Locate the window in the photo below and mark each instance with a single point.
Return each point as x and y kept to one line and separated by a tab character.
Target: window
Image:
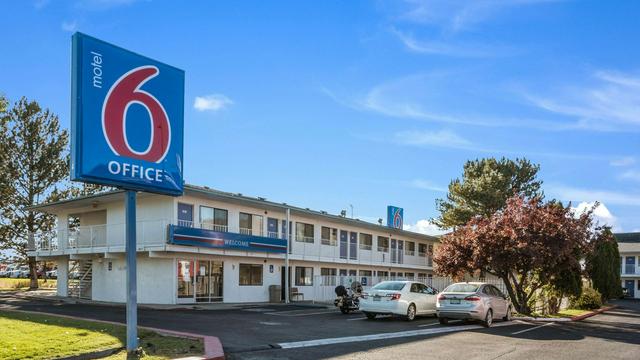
422	250
409	275
366	241
328	276
250	224
390	285
353	273
422	276
250	275
304	233
383	244
365	273
383	274
329	236
213	219
417	288
410	249
304	276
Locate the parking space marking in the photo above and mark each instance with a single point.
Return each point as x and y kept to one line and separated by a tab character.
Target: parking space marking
364	318
533	328
430	324
383	336
280	313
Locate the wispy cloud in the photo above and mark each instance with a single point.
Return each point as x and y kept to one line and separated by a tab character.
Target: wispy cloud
633	175
608	101
623	161
424	226
440	138
568	193
213	102
69	26
426	185
449	48
455	16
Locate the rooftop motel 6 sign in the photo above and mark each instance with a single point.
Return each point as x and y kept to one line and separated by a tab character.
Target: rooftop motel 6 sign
127	119
394	217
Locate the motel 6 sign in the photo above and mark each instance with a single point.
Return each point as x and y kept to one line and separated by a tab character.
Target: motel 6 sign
127	119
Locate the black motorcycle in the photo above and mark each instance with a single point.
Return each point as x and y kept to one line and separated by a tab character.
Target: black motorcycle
348	300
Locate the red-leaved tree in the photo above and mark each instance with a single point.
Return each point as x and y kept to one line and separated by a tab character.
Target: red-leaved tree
528	244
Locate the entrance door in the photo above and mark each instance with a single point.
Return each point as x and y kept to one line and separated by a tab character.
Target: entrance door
185	281
344	245
628	284
185	215
199	281
203	273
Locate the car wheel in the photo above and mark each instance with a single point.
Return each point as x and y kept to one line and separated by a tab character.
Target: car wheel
443	321
411	312
488	319
508	317
344	310
370	316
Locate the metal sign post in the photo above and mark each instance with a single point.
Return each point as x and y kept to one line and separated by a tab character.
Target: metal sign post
286	258
132	285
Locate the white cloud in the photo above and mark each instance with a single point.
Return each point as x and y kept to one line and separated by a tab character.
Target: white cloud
630	175
424	226
70	26
567	193
213	102
601	214
623	161
454	16
426	185
441	138
448	48
607	102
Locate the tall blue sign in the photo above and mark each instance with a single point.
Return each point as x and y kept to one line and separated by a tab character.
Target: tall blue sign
127	118
394	217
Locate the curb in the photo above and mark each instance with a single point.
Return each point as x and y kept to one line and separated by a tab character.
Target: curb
567	319
212	346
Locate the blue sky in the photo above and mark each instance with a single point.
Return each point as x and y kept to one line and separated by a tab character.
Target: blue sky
324	104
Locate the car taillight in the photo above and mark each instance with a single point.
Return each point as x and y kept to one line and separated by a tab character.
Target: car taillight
395	296
472	298
442	297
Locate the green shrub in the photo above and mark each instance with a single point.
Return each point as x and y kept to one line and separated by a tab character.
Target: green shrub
589	299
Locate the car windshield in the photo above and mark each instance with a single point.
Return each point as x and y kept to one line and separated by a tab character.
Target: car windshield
463	288
389	285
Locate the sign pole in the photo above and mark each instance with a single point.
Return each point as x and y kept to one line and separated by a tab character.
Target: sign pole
132	293
286	259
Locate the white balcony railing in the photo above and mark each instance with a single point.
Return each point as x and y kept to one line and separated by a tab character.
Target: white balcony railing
330	242
630	269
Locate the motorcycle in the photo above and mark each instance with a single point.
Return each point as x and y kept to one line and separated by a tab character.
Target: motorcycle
348	300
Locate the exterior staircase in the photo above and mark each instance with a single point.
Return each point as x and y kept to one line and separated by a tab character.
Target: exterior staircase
80	276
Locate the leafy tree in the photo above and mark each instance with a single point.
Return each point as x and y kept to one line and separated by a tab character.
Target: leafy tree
528	244
603	264
34	164
485	186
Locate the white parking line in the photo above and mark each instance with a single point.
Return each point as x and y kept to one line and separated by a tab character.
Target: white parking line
364	318
285	313
430	324
533	328
383	336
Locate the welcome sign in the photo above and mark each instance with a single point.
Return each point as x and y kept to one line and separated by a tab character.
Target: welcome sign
127	119
183	235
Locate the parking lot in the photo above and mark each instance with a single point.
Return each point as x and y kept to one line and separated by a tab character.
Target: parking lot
315	332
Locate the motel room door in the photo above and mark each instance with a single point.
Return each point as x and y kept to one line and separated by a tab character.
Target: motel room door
629	285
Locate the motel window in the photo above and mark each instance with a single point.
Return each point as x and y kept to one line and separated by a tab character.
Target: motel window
304	276
410	249
250	224
213	219
328	276
422	250
409	275
329	236
383	244
353	272
366	241
250	275
366	273
422	276
304	232
383	274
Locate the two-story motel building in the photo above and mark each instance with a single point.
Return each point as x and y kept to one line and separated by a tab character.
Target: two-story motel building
209	245
629	248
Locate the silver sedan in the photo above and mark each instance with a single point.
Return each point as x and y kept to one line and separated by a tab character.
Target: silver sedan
473	301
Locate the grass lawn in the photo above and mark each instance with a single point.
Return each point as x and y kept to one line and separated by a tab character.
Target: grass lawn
29	336
567	313
17	284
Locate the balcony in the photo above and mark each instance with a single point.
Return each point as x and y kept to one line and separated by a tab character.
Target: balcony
151	232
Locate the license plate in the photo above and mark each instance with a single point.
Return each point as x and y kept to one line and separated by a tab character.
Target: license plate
376	298
454	301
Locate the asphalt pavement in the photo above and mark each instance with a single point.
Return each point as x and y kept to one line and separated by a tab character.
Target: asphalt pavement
298	331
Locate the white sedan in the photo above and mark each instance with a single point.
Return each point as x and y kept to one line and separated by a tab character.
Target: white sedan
405	298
